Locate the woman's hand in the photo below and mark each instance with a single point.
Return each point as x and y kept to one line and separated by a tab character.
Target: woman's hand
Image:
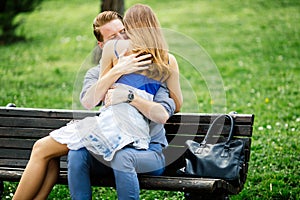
132	63
115	95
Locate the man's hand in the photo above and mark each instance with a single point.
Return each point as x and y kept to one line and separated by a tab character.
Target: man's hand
152	110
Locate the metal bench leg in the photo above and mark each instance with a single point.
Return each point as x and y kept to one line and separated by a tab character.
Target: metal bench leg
1	189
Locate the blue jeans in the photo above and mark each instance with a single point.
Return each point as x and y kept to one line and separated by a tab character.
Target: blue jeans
125	165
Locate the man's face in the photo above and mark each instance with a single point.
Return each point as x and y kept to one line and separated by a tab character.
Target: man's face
111	31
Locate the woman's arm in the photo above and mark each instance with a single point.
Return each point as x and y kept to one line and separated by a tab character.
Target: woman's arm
109	74
173	83
107	77
152	110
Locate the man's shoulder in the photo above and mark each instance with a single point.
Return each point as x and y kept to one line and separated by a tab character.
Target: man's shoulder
94	71
95	68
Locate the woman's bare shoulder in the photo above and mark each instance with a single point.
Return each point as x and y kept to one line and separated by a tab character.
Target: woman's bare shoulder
172	61
171	57
122	45
108	46
113	47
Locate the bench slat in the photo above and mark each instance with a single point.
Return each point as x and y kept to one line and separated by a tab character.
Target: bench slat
37	125
184	184
15	153
47	113
240	130
208	118
16	143
13	163
34	133
32	122
20	164
71	114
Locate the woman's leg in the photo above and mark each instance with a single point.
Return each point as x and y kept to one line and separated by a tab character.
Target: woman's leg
50	179
33	177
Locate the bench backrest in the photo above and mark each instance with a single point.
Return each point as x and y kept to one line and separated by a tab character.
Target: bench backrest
21	127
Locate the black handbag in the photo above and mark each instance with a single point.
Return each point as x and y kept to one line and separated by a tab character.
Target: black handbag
221	160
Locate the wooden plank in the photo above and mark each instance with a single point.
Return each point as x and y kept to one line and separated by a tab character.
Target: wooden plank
16	143
15	153
42	129
46	113
31	122
13	163
184	184
9	175
201	129
17	132
179	140
71	114
21	163
208	118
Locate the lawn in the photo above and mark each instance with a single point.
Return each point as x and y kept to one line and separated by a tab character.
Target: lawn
233	55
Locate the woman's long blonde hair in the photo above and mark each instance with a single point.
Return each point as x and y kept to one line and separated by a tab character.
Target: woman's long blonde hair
143	29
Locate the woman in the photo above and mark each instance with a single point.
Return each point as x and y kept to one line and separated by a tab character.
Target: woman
122	124
54	149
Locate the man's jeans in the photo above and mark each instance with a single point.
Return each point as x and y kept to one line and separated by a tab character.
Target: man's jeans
126	164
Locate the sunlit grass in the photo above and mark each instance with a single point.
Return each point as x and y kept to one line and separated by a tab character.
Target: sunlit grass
253	44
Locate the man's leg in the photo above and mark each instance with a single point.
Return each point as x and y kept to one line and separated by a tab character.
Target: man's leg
81	164
128	162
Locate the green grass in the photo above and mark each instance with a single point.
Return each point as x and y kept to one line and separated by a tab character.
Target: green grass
253	45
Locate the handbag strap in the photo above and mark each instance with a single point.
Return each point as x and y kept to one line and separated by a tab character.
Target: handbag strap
213	124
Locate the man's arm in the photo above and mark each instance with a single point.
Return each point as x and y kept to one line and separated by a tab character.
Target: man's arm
90	78
163	98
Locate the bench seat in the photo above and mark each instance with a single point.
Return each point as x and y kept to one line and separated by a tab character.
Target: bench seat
21	127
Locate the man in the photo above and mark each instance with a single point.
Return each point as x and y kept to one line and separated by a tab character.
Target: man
128	161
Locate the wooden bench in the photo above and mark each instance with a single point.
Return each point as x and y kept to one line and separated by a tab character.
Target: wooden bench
21	127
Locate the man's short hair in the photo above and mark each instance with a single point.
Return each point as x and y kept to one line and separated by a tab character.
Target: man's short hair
102	19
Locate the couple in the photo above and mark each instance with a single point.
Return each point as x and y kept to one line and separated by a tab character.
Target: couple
135	76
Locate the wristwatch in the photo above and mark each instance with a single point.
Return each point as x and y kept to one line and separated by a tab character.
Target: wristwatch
130	96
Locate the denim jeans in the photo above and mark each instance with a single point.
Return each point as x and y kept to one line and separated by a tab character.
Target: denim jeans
126	163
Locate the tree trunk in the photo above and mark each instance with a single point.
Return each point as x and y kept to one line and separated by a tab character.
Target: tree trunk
115	5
